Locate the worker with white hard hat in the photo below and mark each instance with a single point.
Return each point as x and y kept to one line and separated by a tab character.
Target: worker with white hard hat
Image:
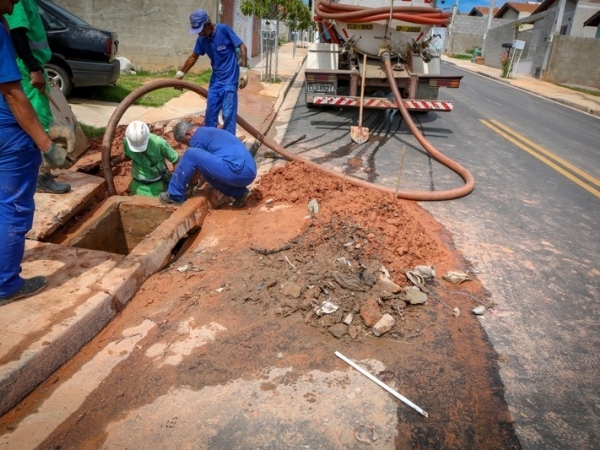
147	152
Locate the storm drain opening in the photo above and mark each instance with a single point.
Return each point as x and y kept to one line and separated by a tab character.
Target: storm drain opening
118	225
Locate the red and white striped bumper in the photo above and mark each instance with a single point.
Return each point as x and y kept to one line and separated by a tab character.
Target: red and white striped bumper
384	103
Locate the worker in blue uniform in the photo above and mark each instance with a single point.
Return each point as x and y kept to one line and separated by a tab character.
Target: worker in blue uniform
21	138
221	159
221	44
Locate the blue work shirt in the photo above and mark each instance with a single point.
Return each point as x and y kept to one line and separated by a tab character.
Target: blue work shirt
227	147
11	133
220	48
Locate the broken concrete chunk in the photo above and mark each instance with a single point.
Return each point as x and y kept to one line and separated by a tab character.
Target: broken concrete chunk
388	285
456	277
426	272
414	296
292	290
312	292
326	308
385	272
338	330
384	325
370	312
348	319
479	310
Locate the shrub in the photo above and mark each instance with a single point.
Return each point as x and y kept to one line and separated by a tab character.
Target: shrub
505	61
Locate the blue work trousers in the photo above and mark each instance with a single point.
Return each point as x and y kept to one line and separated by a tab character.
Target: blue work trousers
222	99
214	170
19	166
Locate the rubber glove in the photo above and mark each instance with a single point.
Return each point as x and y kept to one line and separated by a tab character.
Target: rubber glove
56	157
243	82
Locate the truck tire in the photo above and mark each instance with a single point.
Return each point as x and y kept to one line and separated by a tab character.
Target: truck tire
61	77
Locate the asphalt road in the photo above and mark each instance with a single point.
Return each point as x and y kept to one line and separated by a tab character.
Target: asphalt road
530	231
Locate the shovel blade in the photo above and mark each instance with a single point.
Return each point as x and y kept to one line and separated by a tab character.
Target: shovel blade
360	135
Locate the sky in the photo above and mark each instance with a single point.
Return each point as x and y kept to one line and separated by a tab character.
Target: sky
465	6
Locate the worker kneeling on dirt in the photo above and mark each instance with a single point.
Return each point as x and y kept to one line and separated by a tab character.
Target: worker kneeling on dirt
147	153
219	156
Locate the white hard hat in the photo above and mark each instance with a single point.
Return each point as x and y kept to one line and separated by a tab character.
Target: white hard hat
137	135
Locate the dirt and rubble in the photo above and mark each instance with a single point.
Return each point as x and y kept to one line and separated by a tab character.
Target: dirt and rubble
351	256
265	273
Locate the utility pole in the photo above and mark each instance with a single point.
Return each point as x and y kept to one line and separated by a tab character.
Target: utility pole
450	28
556	30
487	28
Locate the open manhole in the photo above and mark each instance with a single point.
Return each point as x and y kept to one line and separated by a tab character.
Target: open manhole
118	225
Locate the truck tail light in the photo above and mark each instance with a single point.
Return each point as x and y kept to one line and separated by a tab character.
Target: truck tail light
445	82
320	77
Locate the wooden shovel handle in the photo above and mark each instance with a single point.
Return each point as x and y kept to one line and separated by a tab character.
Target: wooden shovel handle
362	89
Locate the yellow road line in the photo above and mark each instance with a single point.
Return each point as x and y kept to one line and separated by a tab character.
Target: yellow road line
548	153
545	160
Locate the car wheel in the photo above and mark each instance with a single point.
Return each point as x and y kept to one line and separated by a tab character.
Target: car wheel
60	77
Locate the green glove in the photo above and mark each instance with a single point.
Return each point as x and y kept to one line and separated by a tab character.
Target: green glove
56	157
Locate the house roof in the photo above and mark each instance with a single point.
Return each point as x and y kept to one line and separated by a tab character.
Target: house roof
482	10
593	21
544	6
517	7
547	3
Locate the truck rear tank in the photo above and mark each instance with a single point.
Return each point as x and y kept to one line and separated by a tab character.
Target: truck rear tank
349	29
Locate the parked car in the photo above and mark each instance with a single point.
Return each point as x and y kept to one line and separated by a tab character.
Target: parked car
82	55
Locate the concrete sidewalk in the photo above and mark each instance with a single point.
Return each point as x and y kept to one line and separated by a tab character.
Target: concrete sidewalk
96	113
89	283
577	100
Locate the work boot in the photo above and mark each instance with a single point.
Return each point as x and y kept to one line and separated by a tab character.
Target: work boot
164	197
30	287
242	200
46	183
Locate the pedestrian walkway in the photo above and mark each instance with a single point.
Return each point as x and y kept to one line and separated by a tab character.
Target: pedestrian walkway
257	94
569	97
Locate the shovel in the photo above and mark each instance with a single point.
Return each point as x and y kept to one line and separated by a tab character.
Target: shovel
360	134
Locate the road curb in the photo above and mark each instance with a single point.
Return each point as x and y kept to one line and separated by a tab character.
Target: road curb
276	107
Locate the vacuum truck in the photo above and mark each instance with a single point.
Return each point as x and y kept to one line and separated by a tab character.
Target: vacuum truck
365	46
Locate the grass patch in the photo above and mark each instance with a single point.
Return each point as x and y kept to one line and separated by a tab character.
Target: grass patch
92	132
128	83
583	90
461	56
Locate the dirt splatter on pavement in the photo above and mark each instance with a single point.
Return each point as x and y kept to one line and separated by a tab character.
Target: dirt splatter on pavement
238	357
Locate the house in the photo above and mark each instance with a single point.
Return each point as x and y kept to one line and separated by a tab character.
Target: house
481	11
594	21
576	12
516	11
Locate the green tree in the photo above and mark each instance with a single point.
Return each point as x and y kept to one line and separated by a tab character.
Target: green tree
294	13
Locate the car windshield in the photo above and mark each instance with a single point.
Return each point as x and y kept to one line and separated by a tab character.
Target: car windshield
63	13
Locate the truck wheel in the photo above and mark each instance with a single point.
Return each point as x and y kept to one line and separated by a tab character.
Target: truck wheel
61	77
